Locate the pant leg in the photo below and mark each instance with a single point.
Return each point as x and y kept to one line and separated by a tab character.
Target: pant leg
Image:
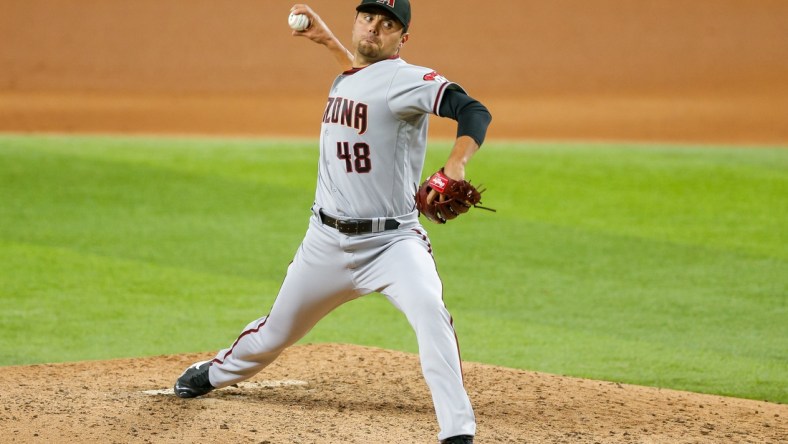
405	273
317	281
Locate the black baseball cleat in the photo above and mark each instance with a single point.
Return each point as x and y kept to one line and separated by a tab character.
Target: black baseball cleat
194	381
460	439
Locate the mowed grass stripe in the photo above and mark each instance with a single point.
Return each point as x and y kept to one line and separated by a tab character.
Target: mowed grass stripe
61	305
72	197
646	264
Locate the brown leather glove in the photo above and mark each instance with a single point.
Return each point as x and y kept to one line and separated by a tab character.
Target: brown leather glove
441	198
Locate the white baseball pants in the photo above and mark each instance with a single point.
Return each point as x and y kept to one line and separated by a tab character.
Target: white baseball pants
331	268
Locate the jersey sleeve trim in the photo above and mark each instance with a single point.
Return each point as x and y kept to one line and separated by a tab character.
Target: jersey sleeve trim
438	98
441	92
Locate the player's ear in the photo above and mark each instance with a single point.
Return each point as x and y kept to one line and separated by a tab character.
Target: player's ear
404	39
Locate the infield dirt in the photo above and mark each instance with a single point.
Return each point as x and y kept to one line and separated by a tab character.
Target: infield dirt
699	71
349	394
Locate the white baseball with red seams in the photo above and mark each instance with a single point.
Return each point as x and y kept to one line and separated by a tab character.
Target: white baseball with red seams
372	150
298	22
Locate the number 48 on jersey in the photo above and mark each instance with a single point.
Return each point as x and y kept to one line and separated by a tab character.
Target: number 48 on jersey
358	160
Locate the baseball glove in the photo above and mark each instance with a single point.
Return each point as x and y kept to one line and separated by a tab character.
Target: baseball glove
441	198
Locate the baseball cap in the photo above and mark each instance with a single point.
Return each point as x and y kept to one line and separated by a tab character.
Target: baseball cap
398	8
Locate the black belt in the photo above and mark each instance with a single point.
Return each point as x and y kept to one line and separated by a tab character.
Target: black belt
359	226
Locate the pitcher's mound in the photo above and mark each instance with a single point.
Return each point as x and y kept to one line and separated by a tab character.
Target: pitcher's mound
330	393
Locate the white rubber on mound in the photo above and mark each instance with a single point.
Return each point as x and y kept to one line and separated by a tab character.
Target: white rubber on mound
255	384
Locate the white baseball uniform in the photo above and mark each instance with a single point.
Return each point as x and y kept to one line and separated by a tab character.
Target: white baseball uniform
372	148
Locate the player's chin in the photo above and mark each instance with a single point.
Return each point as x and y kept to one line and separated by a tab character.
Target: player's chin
370	50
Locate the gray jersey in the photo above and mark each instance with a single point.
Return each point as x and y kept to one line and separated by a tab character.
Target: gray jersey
372	151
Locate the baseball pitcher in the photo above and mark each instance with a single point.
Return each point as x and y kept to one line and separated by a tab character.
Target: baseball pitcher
364	233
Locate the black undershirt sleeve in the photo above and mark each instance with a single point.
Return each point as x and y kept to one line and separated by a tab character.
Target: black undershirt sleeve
472	117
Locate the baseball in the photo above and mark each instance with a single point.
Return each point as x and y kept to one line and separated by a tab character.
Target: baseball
298	22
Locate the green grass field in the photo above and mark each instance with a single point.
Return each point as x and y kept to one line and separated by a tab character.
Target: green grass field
647	264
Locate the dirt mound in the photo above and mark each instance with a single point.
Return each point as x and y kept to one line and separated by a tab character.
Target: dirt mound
351	394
